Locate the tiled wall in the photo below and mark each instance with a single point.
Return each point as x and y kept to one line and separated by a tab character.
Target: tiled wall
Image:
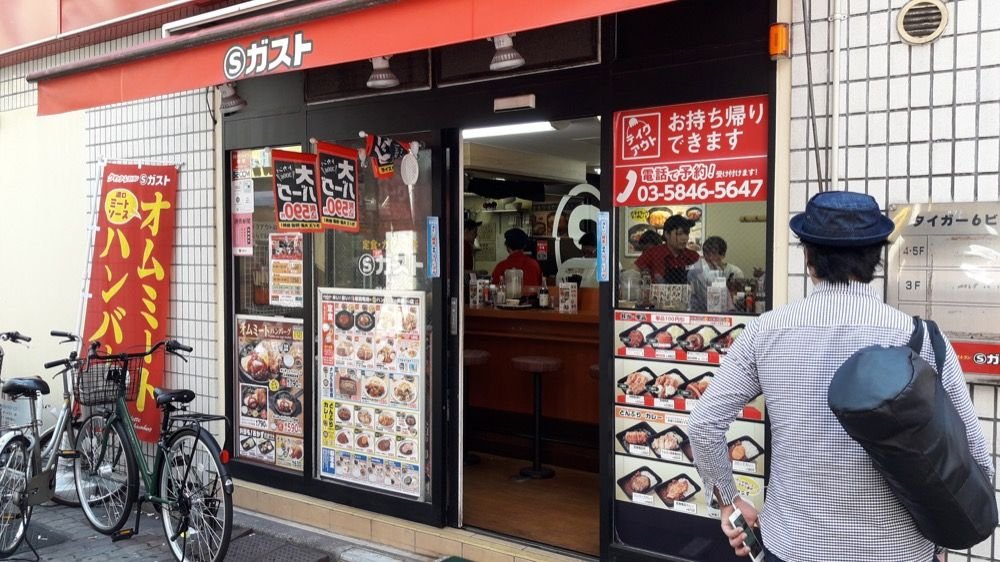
919	124
176	128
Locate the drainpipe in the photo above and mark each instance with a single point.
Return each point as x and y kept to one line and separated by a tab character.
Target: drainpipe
833	130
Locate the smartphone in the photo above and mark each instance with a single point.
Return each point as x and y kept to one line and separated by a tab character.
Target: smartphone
752	542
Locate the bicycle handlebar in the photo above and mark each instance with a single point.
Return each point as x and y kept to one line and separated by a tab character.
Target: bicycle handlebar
57	362
67	336
174	345
15	337
171	346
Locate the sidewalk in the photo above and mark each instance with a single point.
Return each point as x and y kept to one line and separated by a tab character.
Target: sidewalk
62	533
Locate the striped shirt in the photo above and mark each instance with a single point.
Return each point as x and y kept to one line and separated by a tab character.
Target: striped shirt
825	501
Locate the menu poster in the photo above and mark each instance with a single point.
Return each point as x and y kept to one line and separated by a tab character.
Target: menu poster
270	384
285	268
338	193
675	487
294	183
712	151
371	365
673	336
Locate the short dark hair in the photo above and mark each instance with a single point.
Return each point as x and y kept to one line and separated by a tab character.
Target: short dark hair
715	244
515	239
843	264
588	239
677	222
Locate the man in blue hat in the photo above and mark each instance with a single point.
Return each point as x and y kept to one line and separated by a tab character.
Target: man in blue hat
826	502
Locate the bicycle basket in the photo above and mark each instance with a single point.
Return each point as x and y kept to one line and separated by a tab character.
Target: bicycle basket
103	380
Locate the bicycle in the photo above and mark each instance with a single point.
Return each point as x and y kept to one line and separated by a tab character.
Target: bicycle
22	450
194	489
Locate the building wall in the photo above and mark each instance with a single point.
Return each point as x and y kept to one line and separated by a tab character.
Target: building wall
44	242
919	124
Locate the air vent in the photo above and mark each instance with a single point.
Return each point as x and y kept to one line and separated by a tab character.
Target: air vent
921	21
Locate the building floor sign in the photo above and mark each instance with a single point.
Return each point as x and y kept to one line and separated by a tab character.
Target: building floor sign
129	291
371	389
705	152
285	268
269	385
945	266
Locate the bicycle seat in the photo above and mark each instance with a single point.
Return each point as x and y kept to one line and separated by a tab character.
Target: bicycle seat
165	396
26	386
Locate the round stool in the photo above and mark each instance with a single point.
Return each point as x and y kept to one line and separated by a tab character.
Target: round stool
472	358
537	365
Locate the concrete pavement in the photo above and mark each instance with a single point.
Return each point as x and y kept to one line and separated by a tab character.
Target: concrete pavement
62	533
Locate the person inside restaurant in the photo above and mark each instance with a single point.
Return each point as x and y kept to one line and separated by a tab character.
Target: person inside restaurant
712	266
668	262
584	267
516	240
469	250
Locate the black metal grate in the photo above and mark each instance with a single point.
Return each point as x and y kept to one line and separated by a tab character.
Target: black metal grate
922	21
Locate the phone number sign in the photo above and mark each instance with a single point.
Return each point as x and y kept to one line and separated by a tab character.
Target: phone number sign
705	152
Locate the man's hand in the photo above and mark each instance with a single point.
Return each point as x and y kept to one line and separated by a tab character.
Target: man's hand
737	536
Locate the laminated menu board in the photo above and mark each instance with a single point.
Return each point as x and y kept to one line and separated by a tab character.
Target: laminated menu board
664	363
371	388
945	266
270	382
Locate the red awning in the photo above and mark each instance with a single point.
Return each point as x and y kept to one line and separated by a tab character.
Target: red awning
270	44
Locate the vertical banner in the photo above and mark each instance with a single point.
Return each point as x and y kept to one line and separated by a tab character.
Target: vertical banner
603	244
130	273
433	248
383	152
295	204
243	203
338	189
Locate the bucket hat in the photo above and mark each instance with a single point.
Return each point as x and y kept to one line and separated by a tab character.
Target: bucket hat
842	219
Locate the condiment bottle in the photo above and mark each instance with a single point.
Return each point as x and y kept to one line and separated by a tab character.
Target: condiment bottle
543	295
749	299
500	296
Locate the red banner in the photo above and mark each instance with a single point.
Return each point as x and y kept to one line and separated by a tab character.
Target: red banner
130	274
978	357
338	190
706	152
295	204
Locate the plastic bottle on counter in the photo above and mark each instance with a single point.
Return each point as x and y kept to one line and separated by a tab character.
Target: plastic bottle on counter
543	295
716	295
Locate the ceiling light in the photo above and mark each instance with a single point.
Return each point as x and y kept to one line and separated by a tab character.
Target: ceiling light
231	101
499	131
506	57
382	76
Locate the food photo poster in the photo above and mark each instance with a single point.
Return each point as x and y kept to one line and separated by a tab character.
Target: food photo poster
637	221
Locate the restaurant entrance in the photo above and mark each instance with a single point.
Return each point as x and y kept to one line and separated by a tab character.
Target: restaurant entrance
531	332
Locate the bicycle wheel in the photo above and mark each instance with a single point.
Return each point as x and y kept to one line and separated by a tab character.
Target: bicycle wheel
107	484
15	471
65	483
198	515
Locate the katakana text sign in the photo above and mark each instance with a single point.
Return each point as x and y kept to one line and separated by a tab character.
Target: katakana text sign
130	274
338	188
705	152
295	204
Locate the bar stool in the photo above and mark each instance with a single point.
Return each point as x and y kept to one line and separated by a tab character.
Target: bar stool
472	358
537	365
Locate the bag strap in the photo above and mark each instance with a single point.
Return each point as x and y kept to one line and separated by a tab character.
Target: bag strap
937	341
917	337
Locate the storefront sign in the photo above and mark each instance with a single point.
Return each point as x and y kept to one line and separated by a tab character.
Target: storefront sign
129	292
294	183
370	396
270	385
285	268
273	53
338	194
705	152
945	266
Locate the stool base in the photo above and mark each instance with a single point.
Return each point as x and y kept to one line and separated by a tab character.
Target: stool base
539	473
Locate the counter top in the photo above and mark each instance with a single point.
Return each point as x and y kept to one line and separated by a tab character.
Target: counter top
532	314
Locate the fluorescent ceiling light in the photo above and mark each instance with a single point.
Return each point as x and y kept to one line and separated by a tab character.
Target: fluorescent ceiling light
520	128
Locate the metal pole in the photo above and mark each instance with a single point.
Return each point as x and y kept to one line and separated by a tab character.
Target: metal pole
836	20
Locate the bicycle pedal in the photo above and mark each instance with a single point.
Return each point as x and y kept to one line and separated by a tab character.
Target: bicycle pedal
69	454
122	535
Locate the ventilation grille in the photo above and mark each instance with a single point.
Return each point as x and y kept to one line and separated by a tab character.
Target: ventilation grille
922	21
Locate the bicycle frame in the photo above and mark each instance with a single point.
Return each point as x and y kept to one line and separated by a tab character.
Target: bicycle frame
120	413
